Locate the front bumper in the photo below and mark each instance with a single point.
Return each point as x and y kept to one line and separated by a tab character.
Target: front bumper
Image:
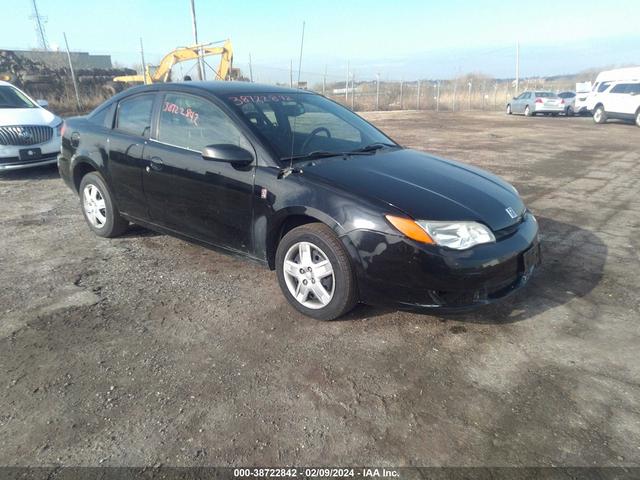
394	270
10	155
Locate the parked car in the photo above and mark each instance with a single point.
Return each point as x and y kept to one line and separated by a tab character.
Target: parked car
29	134
304	186
583	90
569	99
621	100
532	102
605	79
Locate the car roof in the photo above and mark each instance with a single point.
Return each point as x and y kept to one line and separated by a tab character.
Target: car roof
218	88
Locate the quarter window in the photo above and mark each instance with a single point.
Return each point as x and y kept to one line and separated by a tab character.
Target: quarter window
102	117
621	88
134	115
192	122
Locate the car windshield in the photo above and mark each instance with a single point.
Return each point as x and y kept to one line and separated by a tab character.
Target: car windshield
305	125
546	95
13	98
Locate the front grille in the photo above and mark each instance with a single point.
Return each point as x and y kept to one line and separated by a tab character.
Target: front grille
25	135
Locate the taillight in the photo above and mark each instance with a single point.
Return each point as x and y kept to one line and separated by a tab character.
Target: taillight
562	101
539	100
63	127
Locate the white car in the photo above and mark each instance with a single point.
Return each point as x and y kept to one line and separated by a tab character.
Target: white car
621	100
30	135
532	102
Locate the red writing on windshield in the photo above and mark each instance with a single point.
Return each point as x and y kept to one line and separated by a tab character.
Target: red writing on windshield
240	100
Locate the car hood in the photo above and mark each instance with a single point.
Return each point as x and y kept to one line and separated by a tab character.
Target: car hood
27	116
423	186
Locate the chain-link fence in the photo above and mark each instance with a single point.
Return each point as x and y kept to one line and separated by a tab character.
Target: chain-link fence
465	93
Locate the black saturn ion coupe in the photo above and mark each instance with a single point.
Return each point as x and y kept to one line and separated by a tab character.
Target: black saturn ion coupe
304	186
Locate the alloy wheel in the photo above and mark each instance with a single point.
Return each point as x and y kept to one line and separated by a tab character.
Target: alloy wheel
309	275
94	205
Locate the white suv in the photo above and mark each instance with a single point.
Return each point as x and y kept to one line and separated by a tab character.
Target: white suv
621	100
29	134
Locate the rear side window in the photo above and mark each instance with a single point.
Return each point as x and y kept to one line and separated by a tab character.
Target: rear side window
634	88
134	114
102	116
193	122
620	88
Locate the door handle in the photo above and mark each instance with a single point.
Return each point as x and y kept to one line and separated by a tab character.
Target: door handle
156	164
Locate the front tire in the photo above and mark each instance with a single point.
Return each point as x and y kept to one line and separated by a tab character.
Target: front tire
98	207
315	272
508	109
569	112
638	118
599	115
527	111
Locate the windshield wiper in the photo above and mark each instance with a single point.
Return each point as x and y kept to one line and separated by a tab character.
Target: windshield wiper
311	155
324	153
372	147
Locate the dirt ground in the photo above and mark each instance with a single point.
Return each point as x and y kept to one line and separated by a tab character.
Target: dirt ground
147	350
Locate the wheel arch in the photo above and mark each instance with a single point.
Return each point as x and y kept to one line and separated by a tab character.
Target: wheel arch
79	168
290	218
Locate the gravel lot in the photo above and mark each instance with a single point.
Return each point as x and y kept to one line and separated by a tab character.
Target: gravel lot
147	350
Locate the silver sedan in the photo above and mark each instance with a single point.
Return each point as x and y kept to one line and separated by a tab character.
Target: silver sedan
532	102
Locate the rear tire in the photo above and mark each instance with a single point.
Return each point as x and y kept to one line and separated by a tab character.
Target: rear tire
508	109
599	115
569	112
98	207
638	118
299	257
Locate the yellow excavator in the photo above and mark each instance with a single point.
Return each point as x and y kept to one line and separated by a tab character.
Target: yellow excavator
162	73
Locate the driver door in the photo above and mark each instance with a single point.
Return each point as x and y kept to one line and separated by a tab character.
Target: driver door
203	199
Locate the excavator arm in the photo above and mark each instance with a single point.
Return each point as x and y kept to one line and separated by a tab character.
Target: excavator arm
162	72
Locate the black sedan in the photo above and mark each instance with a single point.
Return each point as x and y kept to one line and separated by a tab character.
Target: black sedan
304	186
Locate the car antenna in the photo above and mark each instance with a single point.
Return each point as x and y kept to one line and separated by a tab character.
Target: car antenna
289	170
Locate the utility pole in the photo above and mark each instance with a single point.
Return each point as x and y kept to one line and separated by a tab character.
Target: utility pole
324	80
418	102
40	20
290	73
346	85
144	65
73	75
195	39
517	68
469	98
438	96
250	69
353	92
401	91
455	87
377	91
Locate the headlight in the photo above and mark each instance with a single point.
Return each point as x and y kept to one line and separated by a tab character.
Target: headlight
455	235
58	129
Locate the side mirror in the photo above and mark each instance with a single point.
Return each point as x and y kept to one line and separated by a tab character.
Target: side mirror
515	98
226	152
42	103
